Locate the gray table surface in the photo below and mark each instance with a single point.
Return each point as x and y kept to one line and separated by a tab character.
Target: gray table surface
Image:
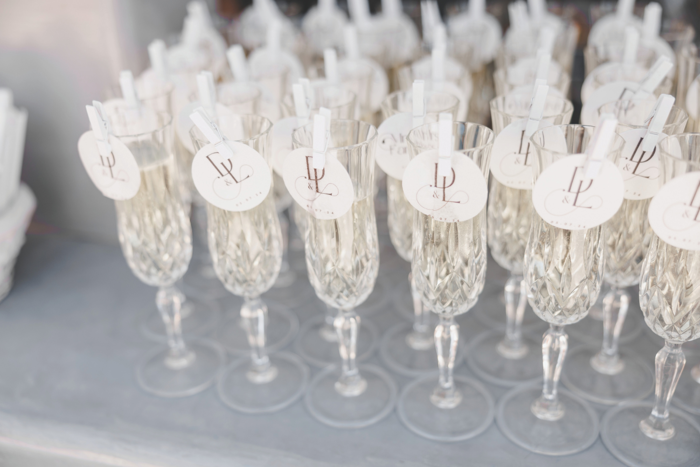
69	341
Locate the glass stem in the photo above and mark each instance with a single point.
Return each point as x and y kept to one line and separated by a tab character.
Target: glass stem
615	306
554	346
169	302
327	329
347	325
446	396
254	318
669	365
512	346
420	338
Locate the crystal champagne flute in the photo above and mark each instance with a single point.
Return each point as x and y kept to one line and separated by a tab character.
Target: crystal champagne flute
408	348
563	271
156	238
449	270
670	299
342	257
510	359
605	375
246	250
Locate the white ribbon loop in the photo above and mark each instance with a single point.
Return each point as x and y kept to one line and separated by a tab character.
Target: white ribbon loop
100	128
320	141
301	107
207	92
654	77
444	144
238	64
544	59
652	21
156	54
536	110
308	92
546	39
599	145
200	118
352	47
657	120
418	103
126	82
330	66
629	56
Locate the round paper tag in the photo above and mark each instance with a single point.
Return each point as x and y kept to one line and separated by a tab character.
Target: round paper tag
281	141
327	193
640	170
610	92
236	184
117	176
456	198
674	213
565	199
184	122
587	88
691	98
391	152
512	155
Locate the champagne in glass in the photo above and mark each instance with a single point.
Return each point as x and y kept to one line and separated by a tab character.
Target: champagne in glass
406	348
606	376
246	251
654	434
563	272
511	359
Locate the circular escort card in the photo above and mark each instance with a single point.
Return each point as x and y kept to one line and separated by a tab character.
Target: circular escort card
391	152
117	175
674	213
512	156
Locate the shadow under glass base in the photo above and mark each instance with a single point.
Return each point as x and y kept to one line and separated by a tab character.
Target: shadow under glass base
199	318
575	431
239	392
621	435
589	330
489	364
634	382
471	417
281	328
155	376
490	310
328	406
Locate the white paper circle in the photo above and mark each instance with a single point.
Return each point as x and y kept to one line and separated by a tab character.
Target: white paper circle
236	184
640	170
512	155
456	198
325	194
674	213
563	198
691	98
587	88
117	176
610	92
391	152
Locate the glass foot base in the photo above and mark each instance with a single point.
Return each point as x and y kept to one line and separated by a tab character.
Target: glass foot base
378	300
199	317
155	376
489	364
201	281
331	408
319	352
281	328
575	431
491	311
687	395
635	381
622	436
590	330
242	393
405	360
471	417
297	293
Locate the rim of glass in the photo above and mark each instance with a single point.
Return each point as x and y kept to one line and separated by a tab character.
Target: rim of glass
695	165
427	95
265	120
466	125
248	85
618	141
373	134
288	100
568	106
168	88
674	107
168	121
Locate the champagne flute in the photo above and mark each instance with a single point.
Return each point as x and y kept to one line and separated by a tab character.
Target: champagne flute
670	299
156	238
604	375
688	71
563	272
449	270
246	250
406	348
342	257
511	359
